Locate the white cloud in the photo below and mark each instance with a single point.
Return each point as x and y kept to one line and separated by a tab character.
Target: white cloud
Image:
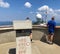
58	10
45	8
39	15
4	4
50	12
51	9
28	4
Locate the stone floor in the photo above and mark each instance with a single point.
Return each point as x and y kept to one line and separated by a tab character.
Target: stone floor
38	47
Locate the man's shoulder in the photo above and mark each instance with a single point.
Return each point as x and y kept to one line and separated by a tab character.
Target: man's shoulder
49	21
54	22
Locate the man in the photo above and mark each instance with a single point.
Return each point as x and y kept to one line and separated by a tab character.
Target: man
29	30
51	28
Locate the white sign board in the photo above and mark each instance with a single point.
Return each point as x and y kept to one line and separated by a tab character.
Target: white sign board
22	24
23	45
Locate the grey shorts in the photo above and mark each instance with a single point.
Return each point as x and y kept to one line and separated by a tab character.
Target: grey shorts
51	33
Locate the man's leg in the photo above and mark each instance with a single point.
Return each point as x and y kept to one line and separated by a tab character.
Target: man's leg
31	36
48	38
51	38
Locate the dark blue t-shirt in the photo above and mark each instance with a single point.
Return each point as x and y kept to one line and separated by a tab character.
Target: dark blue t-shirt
51	25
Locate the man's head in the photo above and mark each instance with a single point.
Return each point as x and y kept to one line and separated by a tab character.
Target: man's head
52	18
27	18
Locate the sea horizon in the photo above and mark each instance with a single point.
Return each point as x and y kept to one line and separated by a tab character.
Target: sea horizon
3	23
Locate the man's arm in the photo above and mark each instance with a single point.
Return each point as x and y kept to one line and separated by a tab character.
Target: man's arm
47	24
55	24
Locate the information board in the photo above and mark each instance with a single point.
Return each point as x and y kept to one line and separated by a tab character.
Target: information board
22	24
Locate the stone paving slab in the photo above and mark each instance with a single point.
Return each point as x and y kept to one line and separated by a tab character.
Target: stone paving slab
38	47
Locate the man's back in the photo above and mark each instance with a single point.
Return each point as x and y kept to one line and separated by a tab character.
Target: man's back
51	25
51	28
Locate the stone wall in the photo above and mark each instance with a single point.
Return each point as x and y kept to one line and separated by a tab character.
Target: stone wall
38	33
7	36
57	36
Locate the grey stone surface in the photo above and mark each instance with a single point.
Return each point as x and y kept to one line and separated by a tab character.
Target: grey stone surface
7	36
37	46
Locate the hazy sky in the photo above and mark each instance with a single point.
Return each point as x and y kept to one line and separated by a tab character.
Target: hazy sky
20	9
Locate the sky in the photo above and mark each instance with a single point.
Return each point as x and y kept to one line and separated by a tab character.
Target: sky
20	9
